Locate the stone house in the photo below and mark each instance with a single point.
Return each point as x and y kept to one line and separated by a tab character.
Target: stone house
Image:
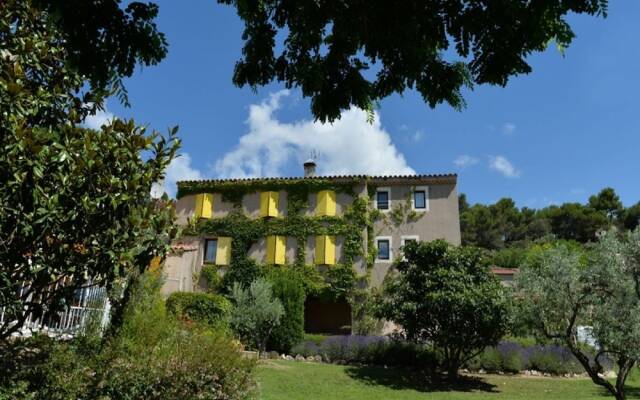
356	222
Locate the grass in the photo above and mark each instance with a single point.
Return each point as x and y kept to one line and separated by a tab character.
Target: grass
311	381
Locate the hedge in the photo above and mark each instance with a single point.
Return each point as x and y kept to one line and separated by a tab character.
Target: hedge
206	308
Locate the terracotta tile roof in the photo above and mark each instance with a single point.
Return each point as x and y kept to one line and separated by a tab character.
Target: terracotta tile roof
331	177
504	271
183	247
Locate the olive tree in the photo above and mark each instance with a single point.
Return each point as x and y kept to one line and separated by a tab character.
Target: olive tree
75	205
446	297
563	288
256	312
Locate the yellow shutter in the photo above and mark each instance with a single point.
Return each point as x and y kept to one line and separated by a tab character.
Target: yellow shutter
271	250
321	207
331	203
276	249
320	253
269	204
330	250
223	252
326	203
204	205
207	205
198	209
281	248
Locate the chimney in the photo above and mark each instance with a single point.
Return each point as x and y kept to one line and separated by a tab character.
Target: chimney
309	168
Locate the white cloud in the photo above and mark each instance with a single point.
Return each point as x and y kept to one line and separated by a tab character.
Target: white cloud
504	166
178	170
508	128
417	136
464	160
350	145
101	117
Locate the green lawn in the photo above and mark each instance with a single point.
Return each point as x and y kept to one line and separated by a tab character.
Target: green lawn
311	381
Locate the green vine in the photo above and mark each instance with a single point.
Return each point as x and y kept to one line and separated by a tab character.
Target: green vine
336	281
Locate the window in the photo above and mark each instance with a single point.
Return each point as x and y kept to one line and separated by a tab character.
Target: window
210	250
217	251
383	244
382	199
276	248
325	250
204	205
326	203
406	239
269	204
420	198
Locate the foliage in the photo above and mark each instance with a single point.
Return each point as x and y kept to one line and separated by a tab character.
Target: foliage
503	225
608	202
513	356
76	203
573	221
112	40
329	47
256	313
564	288
212	277
363	318
376	350
287	287
207	308
337	282
445	296
631	217
151	356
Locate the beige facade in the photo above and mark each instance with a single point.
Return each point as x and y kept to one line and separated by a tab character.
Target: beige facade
438	220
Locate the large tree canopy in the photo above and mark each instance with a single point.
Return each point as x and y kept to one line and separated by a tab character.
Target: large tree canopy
75	203
104	41
344	53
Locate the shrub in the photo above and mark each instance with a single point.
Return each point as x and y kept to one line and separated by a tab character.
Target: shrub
255	313
511	357
189	364
445	296
212	278
289	289
205	308
150	356
376	350
491	360
516	355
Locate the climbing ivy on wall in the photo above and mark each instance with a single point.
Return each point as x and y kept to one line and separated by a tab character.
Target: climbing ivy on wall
336	281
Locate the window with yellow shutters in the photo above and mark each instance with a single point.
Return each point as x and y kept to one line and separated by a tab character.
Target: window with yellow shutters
326	203
325	250
276	248
204	205
223	253
269	204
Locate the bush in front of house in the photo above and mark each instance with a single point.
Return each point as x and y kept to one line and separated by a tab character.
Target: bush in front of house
206	308
513	356
151	356
211	277
255	313
374	350
288	288
445	296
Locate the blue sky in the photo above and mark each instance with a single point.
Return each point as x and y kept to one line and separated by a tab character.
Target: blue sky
558	134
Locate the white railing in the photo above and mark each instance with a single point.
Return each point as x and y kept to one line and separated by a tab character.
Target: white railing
89	303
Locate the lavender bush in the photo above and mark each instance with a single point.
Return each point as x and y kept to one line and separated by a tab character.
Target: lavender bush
513	357
377	350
